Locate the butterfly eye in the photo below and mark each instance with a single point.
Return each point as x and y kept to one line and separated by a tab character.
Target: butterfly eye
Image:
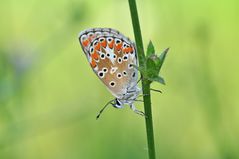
112	83
117	102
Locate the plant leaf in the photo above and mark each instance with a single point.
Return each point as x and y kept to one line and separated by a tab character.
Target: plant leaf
162	58
150	49
151	68
157	79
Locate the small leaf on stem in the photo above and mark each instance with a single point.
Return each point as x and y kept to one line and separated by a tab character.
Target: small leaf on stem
157	79
162	58
150	49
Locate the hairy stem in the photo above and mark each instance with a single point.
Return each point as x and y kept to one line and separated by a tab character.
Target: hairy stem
145	82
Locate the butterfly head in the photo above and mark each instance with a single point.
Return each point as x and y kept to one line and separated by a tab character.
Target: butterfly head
117	103
128	98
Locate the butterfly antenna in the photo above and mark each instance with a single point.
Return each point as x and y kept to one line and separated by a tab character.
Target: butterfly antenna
101	111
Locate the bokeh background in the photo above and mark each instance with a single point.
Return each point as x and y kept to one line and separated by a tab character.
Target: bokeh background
49	96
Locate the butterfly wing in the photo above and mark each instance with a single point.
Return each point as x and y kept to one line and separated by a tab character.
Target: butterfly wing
111	56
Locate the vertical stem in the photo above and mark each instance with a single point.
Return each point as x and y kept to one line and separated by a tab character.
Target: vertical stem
145	83
148	119
137	31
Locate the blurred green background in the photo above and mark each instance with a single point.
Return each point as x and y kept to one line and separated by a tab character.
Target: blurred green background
49	96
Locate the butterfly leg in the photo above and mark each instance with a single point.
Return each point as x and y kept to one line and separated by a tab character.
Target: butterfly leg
140	79
138	100
155	90
136	110
142	95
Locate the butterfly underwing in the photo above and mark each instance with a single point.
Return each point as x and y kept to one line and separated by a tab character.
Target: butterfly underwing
112	56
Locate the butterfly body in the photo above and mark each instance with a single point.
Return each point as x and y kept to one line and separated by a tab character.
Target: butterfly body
111	56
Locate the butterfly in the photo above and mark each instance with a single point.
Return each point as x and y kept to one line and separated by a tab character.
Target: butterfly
112	57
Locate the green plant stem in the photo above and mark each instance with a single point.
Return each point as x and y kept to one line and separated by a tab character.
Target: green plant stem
145	82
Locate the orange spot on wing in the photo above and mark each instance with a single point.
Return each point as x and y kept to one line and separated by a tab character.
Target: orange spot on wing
103	43
119	46
126	50
95	55
86	43
93	63
97	47
130	49
111	44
